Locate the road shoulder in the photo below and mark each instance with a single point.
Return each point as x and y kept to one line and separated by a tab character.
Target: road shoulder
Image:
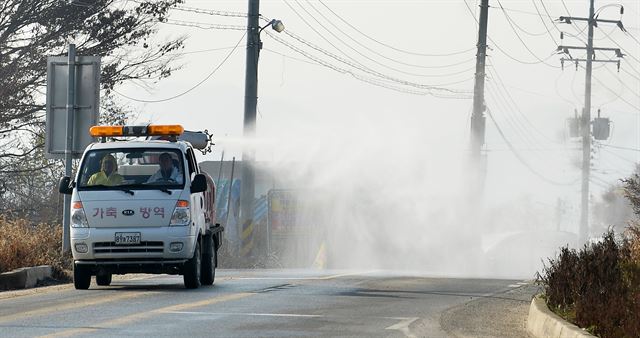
500	315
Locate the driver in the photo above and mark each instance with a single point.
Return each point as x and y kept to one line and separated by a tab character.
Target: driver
167	172
108	174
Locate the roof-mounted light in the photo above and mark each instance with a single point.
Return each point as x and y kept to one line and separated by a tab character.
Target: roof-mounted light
135	131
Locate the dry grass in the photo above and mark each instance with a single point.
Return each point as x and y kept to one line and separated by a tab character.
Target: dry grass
23	244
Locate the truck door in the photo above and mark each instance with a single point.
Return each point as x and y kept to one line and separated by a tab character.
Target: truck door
197	200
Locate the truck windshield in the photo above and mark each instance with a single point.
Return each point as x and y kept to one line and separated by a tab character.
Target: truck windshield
134	168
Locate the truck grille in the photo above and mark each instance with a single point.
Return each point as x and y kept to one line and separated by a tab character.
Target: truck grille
144	246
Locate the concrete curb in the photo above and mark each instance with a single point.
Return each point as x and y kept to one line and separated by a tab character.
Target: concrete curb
544	323
24	277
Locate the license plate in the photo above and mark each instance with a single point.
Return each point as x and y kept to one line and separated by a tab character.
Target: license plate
127	238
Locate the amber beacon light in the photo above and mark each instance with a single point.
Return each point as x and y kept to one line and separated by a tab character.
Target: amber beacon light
150	130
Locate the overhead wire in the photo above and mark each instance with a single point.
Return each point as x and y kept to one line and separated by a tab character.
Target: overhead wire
357	41
374	81
511	24
619	147
433	89
515	105
364	55
494	44
208	11
202	25
580	32
544	23
388	45
193	87
522	160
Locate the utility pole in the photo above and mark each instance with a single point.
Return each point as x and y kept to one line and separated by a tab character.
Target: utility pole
68	155
477	117
586	134
247	194
585	124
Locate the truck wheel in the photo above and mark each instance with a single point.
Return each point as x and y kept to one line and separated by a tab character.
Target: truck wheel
103	279
81	277
192	270
208	261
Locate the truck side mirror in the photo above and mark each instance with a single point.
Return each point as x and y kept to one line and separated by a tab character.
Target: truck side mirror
64	186
199	184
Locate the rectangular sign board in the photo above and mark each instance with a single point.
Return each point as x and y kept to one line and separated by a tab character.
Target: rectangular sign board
87	103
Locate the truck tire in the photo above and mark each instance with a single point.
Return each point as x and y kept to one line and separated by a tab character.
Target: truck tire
208	261
81	277
103	279
191	269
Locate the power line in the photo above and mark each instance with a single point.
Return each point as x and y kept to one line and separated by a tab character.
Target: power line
320	23
195	86
515	104
580	32
210	50
208	11
374	81
500	48
387	45
511	23
357	41
544	23
431	88
522	160
618	147
613	92
202	25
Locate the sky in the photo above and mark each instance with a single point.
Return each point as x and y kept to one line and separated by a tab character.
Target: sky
530	101
324	90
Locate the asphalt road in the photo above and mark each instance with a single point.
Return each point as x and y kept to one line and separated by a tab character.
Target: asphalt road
282	303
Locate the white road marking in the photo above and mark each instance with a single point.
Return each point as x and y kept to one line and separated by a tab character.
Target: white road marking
294	315
306	278
514	285
403	326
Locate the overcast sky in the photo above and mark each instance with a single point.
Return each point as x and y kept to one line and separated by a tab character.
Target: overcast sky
528	94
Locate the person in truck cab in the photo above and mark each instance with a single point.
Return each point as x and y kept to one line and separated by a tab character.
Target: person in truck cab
168	172
108	174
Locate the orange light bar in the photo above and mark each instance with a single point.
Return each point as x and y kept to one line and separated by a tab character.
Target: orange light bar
182	204
160	130
76	205
104	131
134	131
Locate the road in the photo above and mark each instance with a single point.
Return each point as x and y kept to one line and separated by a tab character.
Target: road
260	303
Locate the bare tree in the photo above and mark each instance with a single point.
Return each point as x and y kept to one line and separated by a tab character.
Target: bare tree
122	32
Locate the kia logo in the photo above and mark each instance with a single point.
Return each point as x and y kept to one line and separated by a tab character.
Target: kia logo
128	212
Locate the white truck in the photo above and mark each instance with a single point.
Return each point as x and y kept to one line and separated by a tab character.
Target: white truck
142	206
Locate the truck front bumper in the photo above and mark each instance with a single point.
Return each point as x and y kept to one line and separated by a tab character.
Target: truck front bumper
158	245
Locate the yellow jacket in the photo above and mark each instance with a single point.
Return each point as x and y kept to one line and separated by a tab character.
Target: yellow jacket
102	178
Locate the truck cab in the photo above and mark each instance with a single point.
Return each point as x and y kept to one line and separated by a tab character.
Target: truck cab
142	206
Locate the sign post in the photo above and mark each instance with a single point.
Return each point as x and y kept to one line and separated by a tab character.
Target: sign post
73	101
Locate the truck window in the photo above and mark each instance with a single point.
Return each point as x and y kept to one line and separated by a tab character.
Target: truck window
135	168
191	162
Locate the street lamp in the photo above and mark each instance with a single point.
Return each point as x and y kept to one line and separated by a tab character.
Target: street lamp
247	194
276	25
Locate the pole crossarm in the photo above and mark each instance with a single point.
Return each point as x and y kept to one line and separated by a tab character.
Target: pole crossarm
584	60
565	49
568	19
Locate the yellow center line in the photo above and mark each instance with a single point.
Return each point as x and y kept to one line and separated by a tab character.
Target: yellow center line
95	300
142	315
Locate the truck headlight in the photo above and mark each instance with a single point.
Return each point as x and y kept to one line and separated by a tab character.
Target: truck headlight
181	214
78	217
